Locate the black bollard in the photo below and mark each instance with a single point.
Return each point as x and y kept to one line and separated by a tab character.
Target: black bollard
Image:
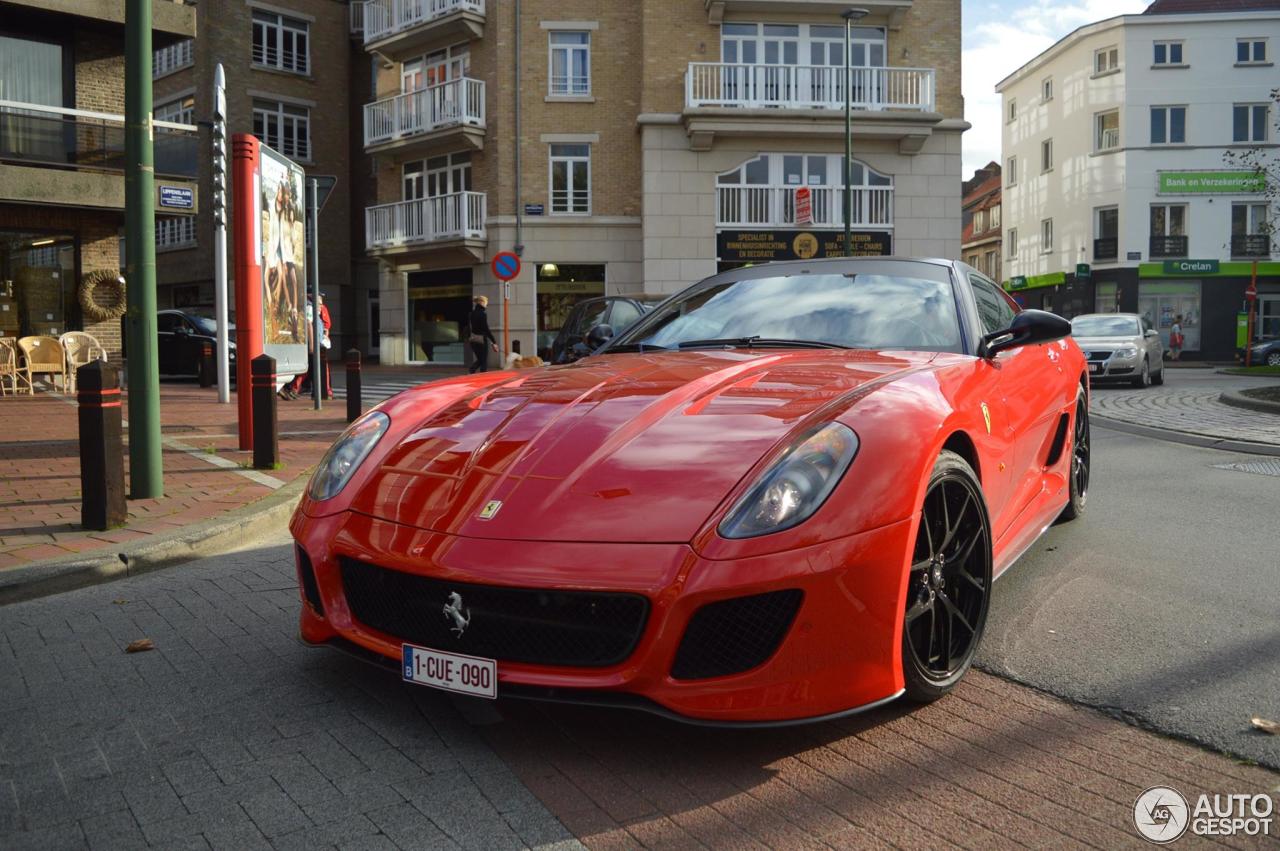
266	445
353	385
208	369
102	504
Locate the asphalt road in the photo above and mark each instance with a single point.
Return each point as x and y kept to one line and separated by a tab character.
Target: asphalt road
1162	604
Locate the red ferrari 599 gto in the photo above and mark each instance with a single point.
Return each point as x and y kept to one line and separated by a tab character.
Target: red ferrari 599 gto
780	496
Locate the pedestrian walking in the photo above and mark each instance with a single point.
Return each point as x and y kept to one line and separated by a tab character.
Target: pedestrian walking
326	322
1175	337
481	337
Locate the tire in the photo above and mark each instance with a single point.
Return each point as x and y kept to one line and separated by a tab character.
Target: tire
1157	378
1081	460
950	577
1144	375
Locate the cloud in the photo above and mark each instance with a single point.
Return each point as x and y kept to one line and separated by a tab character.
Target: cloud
1003	39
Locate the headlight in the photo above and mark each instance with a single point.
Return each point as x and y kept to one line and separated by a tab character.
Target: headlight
1126	352
795	486
346	455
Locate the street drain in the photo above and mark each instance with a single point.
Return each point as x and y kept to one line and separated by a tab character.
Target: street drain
1260	466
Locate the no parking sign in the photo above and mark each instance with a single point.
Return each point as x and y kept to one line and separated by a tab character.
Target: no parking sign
505	265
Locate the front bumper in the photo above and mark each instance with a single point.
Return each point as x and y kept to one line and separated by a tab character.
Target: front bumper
841	652
1113	369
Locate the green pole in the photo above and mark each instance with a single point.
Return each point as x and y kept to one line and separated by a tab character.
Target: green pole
146	471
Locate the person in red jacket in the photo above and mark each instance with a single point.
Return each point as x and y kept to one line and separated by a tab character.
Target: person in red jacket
295	387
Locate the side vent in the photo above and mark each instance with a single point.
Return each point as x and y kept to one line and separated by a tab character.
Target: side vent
1059	441
307	579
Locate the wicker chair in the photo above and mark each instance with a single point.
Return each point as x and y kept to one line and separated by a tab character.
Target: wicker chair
44	355
80	348
9	367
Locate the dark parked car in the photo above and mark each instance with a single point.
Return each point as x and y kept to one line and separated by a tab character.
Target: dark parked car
616	311
1264	352
183	337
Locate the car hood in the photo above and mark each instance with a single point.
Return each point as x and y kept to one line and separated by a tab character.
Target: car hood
634	448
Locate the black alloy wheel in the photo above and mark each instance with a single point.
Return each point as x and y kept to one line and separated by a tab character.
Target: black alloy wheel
948	589
1080	460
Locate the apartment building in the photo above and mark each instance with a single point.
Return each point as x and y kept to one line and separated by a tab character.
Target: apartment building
1118	194
640	146
291	70
62	157
980	220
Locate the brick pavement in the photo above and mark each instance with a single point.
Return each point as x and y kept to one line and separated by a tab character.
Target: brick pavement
1188	402
232	735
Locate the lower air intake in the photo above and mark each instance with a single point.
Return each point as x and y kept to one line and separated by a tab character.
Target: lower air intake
732	636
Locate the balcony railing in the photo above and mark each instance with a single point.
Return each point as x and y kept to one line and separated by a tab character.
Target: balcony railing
460	215
774	206
807	86
1251	245
357	20
175	231
52	135
166	60
384	18
1168	246
1106	248
443	105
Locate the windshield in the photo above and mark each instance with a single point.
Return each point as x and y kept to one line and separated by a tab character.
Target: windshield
864	311
1105	326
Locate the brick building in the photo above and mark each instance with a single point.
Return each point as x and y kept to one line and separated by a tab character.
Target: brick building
639	146
62	156
980	220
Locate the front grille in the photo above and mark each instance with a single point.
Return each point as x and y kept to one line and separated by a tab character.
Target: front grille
307	579
587	629
1096	355
732	636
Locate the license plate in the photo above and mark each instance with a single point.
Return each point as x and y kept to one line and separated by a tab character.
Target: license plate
450	671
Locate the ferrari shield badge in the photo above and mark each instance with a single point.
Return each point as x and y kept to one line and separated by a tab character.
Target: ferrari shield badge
986	418
491	507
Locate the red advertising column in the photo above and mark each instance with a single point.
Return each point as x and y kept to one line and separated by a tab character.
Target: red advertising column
247	267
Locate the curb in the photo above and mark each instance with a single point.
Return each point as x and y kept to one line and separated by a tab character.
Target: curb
1188	438
1237	399
212	537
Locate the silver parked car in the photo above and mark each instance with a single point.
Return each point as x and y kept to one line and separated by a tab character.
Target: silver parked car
1120	347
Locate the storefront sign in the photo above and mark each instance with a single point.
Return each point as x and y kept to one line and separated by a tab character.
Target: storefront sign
1222	269
1082	271
447	291
1018	282
177	197
763	246
1211	182
1028	282
1191	267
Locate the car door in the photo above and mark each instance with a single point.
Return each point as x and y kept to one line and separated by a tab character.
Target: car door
167	339
1154	345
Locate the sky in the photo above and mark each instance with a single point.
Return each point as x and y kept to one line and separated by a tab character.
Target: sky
999	37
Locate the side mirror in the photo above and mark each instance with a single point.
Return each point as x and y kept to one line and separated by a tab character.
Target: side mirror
1028	328
182	330
1151	332
598	336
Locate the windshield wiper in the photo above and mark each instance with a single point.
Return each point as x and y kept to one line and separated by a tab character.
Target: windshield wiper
761	342
634	347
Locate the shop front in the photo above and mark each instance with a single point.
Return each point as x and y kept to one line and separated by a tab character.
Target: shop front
1056	292
38	284
560	286
1209	295
439	314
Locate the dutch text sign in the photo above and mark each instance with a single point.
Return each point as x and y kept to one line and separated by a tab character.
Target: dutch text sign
1211	182
764	246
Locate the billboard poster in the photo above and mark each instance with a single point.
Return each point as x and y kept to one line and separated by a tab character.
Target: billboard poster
283	254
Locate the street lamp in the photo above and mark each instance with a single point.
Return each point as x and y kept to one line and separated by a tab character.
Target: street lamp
849	15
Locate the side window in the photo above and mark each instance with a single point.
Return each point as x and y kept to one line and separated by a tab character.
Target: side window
994	309
166	322
623	314
592	316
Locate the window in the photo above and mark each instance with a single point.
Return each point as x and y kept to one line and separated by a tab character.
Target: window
979	222
1167	53
1249	122
1046	155
436	176
762	191
571	179
1168	125
180	111
1169	220
1046	88
284	127
995	216
1248	219
1105	60
994	309
1250	50
1046	236
1013	243
570	62
175	231
1013	109
280	42
1106	135
166	60
1011	173
991	263
1106	233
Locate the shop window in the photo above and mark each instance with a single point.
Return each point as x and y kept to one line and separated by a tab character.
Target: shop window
1162	302
561	286
440	314
37	284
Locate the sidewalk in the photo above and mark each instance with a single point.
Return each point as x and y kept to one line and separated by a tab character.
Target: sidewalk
205	474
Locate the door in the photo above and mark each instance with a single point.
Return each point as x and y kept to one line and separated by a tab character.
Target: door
166	323
780	50
826	66
1152	344
867	56
739	53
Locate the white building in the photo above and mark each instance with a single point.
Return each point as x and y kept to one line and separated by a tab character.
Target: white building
1114	149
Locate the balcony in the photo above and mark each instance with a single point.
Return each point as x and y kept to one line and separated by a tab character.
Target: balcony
1168	246
446	221
774	206
1106	248
175	57
401	29
808	100
439	118
1251	245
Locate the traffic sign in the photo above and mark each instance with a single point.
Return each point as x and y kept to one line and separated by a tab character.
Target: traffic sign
505	265
804	205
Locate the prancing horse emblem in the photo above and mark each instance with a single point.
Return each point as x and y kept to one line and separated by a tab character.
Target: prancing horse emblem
453	609
986	416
